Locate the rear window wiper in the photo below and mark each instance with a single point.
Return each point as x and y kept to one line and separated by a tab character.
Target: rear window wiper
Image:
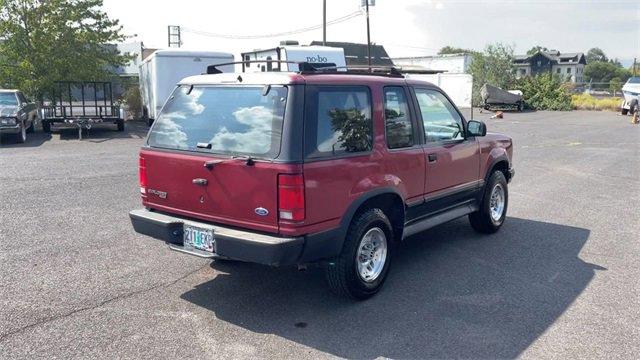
211	163
248	158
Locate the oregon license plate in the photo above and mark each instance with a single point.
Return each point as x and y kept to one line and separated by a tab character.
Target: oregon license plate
198	238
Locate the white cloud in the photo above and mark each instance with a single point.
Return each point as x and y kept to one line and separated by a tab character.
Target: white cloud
256	139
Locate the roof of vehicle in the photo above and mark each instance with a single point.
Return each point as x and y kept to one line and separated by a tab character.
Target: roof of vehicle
9	90
283	78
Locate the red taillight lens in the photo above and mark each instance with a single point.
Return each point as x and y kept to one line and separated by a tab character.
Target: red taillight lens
291	197
142	175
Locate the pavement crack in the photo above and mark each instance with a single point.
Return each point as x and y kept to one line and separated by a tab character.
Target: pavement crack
4	336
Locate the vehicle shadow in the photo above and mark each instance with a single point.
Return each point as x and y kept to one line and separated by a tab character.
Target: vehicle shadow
451	294
104	132
33	140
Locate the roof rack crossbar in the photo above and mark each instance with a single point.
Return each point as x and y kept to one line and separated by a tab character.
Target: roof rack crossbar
212	69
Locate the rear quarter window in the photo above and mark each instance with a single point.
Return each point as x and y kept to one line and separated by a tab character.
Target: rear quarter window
338	121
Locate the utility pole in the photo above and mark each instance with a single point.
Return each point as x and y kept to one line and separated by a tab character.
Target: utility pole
324	22
366	2
634	66
173	36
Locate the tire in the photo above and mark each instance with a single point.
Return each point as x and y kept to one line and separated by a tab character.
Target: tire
21	137
31	129
521	106
624	111
120	124
46	126
490	217
344	275
633	107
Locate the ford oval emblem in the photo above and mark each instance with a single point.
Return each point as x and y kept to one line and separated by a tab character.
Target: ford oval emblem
262	211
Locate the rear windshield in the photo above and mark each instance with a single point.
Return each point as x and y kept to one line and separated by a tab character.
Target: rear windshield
222	120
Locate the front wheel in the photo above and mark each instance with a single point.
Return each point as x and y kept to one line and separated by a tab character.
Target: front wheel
362	266
633	107
120	124
21	137
493	206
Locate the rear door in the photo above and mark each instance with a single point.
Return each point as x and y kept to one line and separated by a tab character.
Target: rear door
452	168
210	155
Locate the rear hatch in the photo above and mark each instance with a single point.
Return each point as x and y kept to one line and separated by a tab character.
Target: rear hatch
210	155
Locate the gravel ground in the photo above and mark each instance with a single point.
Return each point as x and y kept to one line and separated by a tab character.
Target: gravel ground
560	280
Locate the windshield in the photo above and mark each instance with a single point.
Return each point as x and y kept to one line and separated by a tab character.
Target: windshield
222	120
7	98
634	80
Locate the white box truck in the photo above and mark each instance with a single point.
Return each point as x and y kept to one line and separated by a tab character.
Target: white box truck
162	70
316	55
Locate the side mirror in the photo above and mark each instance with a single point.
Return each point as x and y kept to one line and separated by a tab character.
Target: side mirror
476	128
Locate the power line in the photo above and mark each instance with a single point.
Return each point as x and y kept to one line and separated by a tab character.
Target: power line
291	32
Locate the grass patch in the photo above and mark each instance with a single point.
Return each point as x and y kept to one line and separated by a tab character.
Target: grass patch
588	102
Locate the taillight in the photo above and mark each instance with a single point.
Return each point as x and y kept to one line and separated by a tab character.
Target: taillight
142	175
291	197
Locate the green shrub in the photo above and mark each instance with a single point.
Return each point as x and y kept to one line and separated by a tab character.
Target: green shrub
544	92
588	102
133	100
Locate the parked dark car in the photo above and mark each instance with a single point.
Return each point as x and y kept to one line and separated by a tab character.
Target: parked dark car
17	115
316	166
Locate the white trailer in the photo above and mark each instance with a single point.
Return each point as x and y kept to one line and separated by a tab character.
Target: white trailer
162	70
458	86
316	55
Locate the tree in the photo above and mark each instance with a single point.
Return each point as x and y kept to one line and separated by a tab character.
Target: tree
604	71
454	50
615	85
544	92
595	54
494	66
51	40
536	49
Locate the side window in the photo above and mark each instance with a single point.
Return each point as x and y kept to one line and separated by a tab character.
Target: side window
396	117
338	121
441	120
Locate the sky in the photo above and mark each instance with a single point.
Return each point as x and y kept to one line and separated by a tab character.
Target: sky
404	27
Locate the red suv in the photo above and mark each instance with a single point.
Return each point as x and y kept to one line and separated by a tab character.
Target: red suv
315	166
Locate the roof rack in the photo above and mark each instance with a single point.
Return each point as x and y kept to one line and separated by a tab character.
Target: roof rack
308	68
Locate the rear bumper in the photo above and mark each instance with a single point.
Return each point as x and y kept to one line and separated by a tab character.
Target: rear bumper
229	243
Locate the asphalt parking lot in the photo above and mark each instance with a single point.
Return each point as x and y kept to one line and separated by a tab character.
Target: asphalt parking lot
560	280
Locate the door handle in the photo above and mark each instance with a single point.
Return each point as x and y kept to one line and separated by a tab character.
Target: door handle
432	157
201	182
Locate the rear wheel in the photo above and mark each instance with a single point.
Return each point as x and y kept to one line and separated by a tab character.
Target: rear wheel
120	124
362	266
493	207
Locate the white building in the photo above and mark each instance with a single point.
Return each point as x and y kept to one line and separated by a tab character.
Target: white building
451	63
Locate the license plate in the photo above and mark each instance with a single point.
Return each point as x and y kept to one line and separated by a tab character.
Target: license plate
198	238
